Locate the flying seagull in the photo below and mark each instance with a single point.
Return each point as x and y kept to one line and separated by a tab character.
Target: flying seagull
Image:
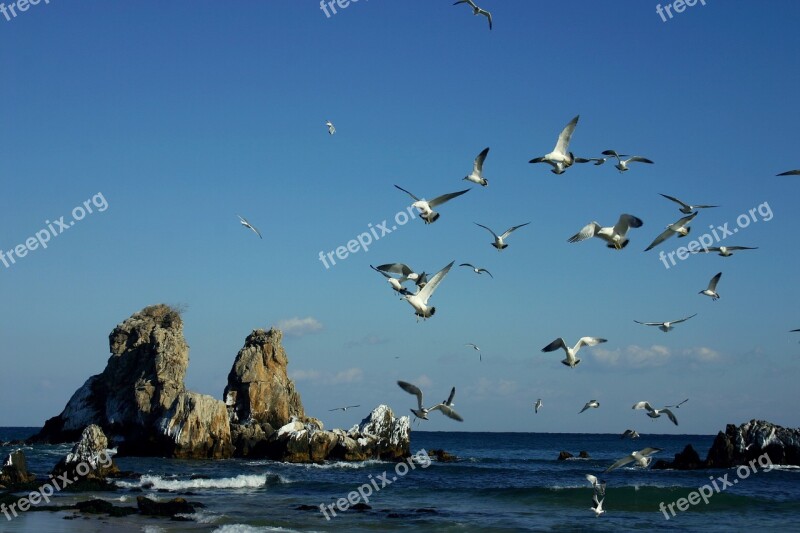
537	406
476	269
419	301
622	164
597	505
394	282
476	10
406	273
685	208
426	208
680	228
331	129
246	224
712	287
724	251
665	326
477	170
642	458
344	408
790	173
475	347
677	405
422	412
598	485
560	158
631	433
656	413
615	237
499	242
591	403
571	361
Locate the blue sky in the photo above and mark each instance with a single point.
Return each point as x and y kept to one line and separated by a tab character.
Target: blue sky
183	115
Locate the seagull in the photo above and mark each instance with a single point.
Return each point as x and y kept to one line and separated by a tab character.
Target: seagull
615	236
622	164
712	287
794	331
790	173
246	224
475	347
680	227
676	406
686	209
476	269
331	129
598	485
537	406
426	208
656	413
665	326
477	170
344	408
597	506
642	458
592	403
422	412
560	158
596	160
499	242
632	433
419	301
725	251
476	10
405	271
571	361
394	282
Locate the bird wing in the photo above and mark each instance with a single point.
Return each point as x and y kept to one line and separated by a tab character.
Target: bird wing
566	136
449	401
408	193
666	234
668	197
470	2
352	406
598	504
484	270
588	231
790	173
467	265
648	451
682	319
740	248
427	291
395	268
639	159
245	222
612	153
412	389
589	341
510	230
487	229
337	409
626	222
555	345
487	15
643	405
712	285
447	411
683	221
679	403
703	206
650	323
591	479
477	167
622	462
445	197
670	415
384	274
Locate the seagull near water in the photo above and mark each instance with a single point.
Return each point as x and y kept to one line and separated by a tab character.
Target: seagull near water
630	433
331	129
499	242
593	404
422	412
571	361
656	413
246	224
537	406
615	236
419	301
622	164
685	208
345	408
475	347
598	485
678	228
560	158
712	287
476	10
476	269
597	505
477	170
724	251
425	207
665	326
642	458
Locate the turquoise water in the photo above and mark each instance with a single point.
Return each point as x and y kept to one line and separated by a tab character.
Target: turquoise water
501	482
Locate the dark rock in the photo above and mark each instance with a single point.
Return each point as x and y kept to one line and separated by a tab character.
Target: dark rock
88	463
583	454
427	511
360	506
15	473
442	456
562	456
171	508
103	507
306	508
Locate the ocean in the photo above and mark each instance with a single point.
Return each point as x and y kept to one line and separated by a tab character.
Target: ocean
500	482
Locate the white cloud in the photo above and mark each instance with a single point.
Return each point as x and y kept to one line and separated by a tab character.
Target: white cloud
351	375
649	356
298	327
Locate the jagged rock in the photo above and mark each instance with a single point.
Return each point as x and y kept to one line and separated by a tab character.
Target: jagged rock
688	459
563	456
171	508
140	400
442	456
15	471
89	459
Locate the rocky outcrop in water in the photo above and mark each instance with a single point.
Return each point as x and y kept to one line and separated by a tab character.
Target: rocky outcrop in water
15	471
89	460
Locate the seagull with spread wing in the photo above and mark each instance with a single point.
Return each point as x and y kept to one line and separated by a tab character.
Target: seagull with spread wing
475	347
712	287
422	412
572	361
246	224
615	236
679	228
685	208
331	129
419	301
642	459
476	10
665	326
591	404
724	251
630	433
622	164
425	207
395	283
499	242
560	158
476	176
345	408
537	406
476	269
656	413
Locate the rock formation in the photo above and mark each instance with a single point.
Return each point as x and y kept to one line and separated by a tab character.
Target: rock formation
89	459
15	471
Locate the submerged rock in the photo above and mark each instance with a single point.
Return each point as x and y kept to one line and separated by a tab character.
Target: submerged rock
442	456
170	508
564	455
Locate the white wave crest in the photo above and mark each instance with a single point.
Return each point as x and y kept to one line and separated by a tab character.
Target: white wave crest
239	482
